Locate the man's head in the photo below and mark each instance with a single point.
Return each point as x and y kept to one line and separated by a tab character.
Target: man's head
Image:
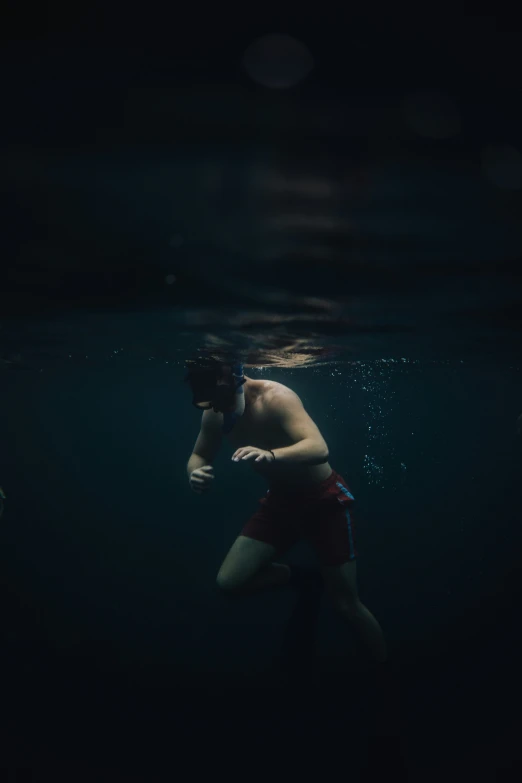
213	384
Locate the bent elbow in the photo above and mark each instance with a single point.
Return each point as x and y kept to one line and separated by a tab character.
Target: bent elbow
324	455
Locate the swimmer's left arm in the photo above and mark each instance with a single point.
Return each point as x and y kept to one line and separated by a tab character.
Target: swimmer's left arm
309	447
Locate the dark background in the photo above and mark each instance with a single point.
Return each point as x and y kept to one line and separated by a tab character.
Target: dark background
137	219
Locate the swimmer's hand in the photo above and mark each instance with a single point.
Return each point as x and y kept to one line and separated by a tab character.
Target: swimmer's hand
201	479
249	452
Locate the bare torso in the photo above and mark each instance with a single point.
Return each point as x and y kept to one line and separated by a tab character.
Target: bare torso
257	427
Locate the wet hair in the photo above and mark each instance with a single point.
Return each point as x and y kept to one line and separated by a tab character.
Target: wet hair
202	375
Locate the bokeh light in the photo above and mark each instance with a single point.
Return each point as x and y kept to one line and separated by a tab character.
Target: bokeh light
176	240
277	61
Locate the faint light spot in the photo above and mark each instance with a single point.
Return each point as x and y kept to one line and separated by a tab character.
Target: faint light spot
170	279
277	61
275	182
502	165
176	240
431	114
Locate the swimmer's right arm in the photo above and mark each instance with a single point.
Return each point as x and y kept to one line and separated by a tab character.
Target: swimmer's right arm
195	463
205	449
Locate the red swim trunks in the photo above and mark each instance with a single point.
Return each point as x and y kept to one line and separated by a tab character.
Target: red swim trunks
321	513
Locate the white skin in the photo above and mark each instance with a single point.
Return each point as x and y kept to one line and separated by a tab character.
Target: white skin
201	478
246	452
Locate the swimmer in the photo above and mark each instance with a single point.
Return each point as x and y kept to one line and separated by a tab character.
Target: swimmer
268	427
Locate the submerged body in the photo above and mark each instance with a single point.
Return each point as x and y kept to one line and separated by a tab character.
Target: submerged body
306	498
263	425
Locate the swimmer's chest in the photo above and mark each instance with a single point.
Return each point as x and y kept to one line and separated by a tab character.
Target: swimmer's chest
257	427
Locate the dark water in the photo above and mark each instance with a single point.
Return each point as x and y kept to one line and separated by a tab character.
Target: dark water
112	619
359	243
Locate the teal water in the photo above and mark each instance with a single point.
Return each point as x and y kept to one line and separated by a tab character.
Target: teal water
110	561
